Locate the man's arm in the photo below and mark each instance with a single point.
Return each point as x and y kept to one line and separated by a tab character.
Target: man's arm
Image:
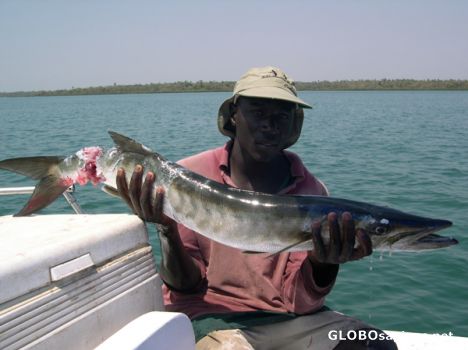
178	270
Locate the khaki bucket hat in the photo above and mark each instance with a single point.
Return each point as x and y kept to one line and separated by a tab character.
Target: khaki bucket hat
265	82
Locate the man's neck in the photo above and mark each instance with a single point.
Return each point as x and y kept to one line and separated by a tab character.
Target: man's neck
250	174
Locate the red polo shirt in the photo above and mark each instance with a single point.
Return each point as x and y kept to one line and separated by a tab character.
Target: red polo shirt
235	281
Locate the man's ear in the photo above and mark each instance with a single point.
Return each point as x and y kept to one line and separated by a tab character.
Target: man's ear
232	111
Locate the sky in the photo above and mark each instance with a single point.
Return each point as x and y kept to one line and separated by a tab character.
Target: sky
59	44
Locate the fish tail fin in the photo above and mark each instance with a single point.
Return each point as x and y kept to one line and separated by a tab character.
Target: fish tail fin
34	167
45	169
46	191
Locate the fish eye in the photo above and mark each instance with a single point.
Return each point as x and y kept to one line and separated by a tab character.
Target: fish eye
380	230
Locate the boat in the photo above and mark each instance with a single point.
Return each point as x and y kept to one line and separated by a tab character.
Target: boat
90	281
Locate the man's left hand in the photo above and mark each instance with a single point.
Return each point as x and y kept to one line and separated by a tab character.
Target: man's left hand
340	248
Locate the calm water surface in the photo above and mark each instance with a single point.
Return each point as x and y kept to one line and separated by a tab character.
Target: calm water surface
403	149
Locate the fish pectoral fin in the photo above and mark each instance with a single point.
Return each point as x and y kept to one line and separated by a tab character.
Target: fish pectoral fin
252	252
111	190
307	236
33	167
127	144
46	191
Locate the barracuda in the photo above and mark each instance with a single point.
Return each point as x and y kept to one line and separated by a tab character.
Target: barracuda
246	220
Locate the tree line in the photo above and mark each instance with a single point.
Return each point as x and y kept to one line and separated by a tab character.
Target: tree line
216	86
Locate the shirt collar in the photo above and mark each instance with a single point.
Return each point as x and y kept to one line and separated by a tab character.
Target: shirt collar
297	167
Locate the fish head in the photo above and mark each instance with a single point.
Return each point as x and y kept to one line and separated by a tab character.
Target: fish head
391	229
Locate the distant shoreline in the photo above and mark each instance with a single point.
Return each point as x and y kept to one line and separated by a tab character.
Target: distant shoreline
227	86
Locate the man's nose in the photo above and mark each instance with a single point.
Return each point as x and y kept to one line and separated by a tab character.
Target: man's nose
270	124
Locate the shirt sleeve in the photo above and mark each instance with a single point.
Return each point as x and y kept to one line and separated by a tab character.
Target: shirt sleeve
300	292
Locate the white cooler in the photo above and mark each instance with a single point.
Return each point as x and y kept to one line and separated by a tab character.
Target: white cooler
71	281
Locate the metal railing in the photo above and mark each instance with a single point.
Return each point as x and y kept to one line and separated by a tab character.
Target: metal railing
68	194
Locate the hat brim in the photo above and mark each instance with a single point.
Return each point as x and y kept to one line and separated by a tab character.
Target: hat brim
273	93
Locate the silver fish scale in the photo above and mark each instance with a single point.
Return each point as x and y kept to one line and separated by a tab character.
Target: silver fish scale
243	219
248	220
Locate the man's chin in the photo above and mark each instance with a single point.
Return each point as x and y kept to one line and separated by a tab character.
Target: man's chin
265	155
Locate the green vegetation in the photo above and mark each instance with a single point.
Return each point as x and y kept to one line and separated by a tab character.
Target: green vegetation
202	86
385	84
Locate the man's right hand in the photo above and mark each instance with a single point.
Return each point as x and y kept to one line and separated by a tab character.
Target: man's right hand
138	196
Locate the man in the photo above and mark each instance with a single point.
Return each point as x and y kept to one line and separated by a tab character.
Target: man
244	301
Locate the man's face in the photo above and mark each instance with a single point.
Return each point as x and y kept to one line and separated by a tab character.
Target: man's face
263	126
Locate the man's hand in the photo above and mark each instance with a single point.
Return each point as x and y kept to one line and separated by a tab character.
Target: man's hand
138	196
340	248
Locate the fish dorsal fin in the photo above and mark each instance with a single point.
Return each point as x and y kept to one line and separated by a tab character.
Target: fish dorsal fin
127	144
33	167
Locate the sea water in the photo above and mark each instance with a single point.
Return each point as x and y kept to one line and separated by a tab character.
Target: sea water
407	150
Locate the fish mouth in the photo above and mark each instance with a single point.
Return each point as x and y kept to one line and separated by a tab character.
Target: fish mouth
433	241
422	238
